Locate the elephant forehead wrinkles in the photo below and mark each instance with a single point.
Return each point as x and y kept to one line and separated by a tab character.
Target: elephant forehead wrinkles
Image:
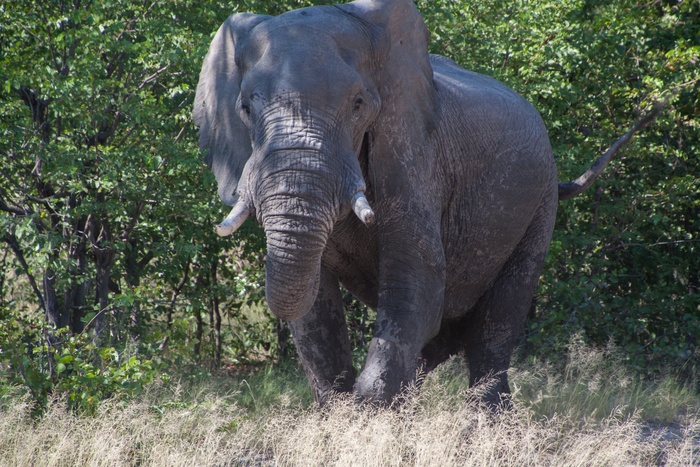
289	139
293	164
291	124
323	77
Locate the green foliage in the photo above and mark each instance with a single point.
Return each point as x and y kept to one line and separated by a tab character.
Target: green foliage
22	364
360	321
103	192
71	368
87	375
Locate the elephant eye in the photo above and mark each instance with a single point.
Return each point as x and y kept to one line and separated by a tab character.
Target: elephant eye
357	103
357	106
245	107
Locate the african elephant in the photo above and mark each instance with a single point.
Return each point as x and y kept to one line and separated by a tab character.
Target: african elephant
426	190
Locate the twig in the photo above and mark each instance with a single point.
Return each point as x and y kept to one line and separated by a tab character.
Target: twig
670	242
94	318
153	77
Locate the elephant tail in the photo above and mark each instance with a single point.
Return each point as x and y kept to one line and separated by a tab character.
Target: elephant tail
570	189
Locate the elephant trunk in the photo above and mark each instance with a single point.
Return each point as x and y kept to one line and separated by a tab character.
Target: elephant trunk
297	201
293	268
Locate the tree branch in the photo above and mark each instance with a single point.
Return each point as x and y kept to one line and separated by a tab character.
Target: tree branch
570	189
12	209
17	250
176	293
153	77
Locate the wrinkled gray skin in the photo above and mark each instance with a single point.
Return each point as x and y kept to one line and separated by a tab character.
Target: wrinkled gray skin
301	112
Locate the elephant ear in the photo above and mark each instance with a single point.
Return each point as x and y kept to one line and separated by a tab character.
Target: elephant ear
221	132
405	81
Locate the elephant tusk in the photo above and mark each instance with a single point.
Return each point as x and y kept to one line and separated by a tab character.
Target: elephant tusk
234	220
362	209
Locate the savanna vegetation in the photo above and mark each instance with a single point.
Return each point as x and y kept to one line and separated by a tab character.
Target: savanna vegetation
128	329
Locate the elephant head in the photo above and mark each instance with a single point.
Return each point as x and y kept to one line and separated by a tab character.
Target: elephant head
285	106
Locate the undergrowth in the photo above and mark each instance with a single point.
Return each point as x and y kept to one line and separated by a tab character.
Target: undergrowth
588	411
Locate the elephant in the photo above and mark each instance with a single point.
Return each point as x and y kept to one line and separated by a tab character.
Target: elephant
426	190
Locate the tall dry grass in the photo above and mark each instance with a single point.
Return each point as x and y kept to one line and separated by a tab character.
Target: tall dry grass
561	417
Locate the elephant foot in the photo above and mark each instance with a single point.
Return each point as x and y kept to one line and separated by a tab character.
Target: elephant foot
382	380
323	391
492	390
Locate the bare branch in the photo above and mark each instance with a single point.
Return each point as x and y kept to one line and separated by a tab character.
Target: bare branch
153	77
182	130
666	243
12	209
570	189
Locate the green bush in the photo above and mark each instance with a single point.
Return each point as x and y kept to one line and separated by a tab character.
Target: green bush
68	367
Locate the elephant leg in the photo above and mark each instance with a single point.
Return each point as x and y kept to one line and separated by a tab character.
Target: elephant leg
393	357
322	342
496	322
449	342
409	312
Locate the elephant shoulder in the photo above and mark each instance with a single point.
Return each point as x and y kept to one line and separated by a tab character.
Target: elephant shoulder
442	60
471	88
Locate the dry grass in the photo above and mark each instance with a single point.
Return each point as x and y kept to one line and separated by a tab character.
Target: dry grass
556	421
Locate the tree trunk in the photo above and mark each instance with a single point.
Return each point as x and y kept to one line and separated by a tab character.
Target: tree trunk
134	268
57	313
133	271
3	278
199	334
171	308
76	295
213	290
104	260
